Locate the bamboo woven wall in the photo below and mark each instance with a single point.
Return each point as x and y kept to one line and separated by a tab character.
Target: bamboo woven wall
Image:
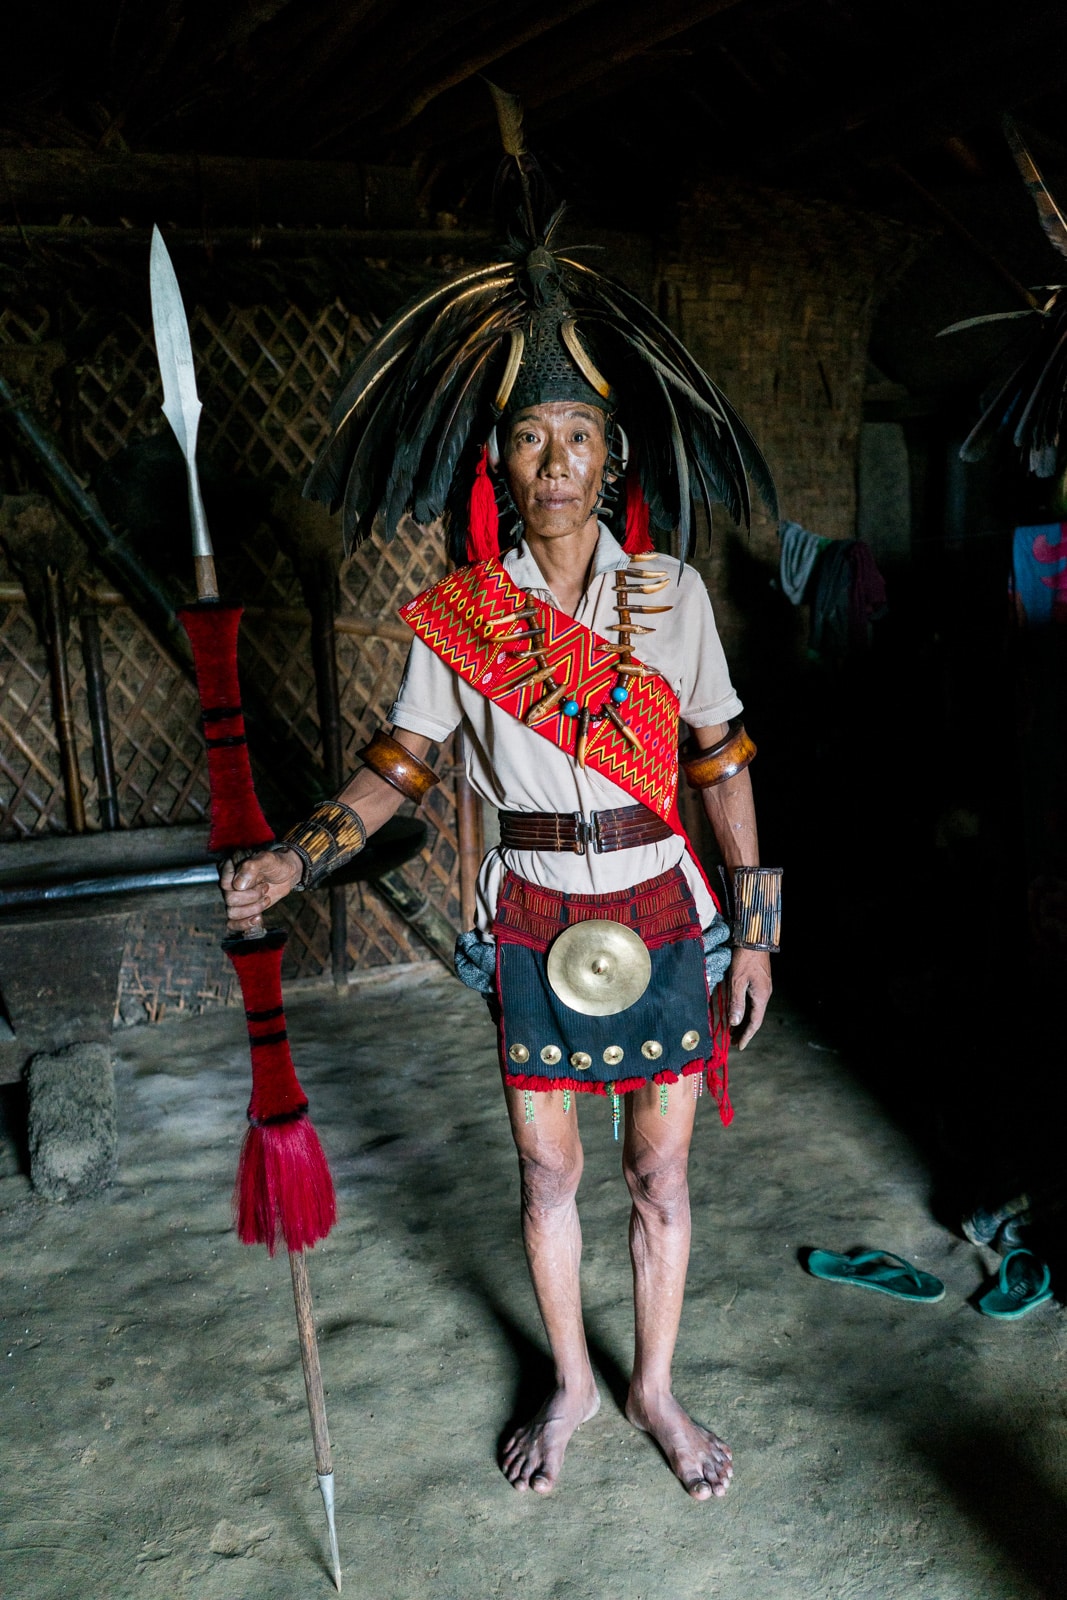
267	378
775	295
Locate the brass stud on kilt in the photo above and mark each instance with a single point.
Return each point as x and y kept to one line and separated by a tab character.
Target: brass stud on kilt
613	1055
690	1040
519	1053
551	1055
651	1049
580	1061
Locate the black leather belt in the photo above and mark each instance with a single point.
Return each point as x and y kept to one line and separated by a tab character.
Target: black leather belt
621	829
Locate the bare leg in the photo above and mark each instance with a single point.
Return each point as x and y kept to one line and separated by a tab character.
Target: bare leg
655	1162
550	1166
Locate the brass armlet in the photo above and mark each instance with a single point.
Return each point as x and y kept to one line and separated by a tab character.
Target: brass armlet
385	756
757	908
332	835
731	755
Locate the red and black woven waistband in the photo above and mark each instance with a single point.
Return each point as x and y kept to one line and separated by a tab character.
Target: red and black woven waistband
659	909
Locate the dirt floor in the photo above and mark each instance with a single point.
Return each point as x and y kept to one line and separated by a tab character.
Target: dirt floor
154	1433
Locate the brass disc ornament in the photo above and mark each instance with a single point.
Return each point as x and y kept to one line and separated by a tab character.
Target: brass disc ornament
599	967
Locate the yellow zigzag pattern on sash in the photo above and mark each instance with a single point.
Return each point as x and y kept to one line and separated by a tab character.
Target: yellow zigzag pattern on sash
459	618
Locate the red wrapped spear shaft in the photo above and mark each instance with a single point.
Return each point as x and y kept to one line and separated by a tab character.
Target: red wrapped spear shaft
284	1188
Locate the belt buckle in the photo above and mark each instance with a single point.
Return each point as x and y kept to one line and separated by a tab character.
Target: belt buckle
587	832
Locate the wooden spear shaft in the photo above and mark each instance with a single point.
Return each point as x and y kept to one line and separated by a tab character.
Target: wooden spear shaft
320	1433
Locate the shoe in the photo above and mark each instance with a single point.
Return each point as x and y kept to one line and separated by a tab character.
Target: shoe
1022	1285
878	1270
982	1226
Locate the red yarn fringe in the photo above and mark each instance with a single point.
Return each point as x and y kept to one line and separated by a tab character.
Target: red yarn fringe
483	525
284	1189
638	539
529	1080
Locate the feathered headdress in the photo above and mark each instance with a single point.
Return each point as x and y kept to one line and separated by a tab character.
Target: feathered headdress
1030	402
409	429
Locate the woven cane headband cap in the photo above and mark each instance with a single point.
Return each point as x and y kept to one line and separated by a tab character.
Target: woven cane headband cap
548	370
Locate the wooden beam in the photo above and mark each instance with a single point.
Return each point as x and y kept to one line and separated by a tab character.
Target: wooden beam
395	243
208	189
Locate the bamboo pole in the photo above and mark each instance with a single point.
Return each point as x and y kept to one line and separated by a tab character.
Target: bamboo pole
471	841
344	622
99	720
62	703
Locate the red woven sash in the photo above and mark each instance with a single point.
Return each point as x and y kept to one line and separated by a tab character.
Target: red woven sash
459	619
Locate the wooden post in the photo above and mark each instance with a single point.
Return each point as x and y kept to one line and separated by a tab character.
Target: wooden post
321	592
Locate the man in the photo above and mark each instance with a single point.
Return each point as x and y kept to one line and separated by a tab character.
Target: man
554	461
568	662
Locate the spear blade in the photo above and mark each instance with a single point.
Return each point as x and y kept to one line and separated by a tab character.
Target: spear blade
181	403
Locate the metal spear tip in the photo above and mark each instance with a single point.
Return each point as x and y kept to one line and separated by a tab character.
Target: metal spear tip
326	1486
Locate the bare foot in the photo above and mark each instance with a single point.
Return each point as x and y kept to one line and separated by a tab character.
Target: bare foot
696	1456
533	1455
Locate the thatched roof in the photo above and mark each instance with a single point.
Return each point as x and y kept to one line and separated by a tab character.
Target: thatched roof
631	99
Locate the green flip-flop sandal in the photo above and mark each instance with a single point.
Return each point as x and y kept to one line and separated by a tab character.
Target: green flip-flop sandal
1022	1284
877	1270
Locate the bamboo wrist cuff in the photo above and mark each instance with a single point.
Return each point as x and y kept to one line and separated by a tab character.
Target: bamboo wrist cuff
385	756
332	835
731	755
757	908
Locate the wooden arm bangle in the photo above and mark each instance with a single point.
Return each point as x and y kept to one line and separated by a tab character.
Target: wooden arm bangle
385	756
731	755
757	908
332	835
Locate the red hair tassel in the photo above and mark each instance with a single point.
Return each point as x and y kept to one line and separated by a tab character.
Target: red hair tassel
638	541
483	526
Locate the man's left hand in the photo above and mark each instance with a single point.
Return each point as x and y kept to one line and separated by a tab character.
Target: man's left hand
749	989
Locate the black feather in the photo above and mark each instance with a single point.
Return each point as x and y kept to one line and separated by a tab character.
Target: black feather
417	404
470	402
1049	213
425	410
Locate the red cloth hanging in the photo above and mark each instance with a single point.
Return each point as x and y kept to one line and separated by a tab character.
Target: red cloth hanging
483	523
638	540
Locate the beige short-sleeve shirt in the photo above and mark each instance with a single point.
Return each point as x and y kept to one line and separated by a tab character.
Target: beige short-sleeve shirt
516	769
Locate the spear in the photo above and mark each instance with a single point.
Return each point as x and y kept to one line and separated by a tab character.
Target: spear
284	1188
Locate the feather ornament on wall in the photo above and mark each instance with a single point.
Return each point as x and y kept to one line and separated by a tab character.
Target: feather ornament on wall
1029	403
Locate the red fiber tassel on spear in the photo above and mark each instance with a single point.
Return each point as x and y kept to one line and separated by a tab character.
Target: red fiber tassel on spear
284	1188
